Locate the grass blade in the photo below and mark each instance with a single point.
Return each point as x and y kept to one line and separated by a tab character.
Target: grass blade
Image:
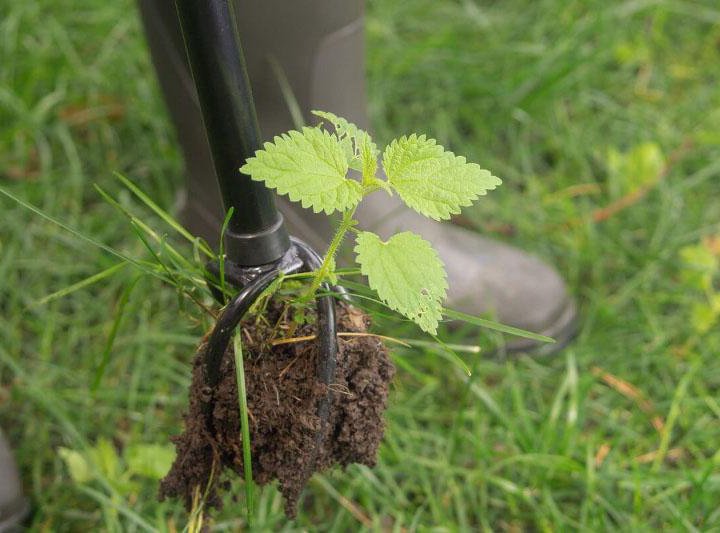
245	428
99	276
135	221
221	255
495	326
76	233
174	224
124	297
454	357
462	348
673	415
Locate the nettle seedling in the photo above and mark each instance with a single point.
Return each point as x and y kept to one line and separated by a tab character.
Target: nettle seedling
335	171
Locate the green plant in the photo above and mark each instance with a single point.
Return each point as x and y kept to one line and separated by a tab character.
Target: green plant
334	171
701	264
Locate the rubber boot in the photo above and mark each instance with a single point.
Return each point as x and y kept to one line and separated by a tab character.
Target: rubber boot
13	506
316	48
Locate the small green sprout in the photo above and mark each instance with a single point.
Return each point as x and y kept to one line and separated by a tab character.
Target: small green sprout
313	166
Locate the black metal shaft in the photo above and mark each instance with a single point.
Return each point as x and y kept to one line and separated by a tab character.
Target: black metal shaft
256	234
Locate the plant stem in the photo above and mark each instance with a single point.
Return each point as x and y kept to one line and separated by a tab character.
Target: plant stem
245	428
346	223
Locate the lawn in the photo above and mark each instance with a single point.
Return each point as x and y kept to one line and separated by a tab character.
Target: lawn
602	118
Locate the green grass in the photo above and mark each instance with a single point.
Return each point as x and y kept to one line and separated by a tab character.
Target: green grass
575	104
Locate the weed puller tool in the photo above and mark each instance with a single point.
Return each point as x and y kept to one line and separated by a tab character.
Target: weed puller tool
300	426
258	246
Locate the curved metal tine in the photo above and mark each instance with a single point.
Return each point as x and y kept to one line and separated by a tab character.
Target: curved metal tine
236	309
327	356
238	276
228	321
326	323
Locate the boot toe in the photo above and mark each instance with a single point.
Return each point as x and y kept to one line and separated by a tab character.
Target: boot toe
516	288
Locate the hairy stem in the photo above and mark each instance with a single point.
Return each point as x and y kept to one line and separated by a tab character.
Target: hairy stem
346	223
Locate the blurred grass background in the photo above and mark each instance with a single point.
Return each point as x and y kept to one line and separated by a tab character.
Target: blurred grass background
603	119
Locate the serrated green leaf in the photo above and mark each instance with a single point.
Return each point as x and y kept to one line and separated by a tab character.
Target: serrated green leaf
310	167
431	180
362	152
407	274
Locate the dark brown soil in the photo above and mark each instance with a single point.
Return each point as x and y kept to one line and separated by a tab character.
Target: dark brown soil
288	440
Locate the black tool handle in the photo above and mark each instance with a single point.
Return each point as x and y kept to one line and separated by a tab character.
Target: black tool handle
256	234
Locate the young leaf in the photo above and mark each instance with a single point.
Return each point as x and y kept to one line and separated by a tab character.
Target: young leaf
407	274
431	180
361	150
368	159
310	167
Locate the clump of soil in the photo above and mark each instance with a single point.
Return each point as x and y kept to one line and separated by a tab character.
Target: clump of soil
289	441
